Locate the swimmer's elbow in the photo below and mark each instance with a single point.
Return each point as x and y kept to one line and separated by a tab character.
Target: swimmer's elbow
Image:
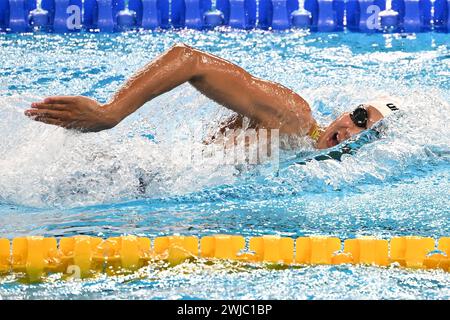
185	52
181	48
188	55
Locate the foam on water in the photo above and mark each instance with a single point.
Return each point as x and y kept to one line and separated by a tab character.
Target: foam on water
48	166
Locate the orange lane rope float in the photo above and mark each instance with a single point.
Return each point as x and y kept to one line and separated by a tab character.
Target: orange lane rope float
39	256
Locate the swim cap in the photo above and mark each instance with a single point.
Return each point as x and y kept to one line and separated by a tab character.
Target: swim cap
385	105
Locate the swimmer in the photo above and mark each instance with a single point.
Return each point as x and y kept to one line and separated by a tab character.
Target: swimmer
266	104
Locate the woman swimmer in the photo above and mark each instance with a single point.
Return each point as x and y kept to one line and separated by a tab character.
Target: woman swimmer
267	104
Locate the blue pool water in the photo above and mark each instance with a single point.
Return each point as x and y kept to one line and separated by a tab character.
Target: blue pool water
59	183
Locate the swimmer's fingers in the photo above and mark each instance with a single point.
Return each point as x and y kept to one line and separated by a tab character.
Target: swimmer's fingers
36	114
58	122
53	106
56	102
61	100
51	121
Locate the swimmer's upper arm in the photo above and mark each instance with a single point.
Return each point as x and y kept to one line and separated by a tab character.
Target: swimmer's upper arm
280	106
268	103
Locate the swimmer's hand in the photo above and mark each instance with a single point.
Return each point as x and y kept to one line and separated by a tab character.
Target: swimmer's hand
73	112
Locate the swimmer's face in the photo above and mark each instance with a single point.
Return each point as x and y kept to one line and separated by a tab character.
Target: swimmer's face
343	128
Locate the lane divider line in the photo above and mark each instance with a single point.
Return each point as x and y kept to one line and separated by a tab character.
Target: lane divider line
37	256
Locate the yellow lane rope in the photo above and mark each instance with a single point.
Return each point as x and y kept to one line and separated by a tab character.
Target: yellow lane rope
38	256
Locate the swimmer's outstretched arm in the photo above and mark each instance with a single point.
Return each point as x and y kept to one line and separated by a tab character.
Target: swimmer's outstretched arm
270	104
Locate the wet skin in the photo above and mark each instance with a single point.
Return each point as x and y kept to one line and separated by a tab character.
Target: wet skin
267	104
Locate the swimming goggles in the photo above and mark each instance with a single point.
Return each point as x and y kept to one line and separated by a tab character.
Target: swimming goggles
360	116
